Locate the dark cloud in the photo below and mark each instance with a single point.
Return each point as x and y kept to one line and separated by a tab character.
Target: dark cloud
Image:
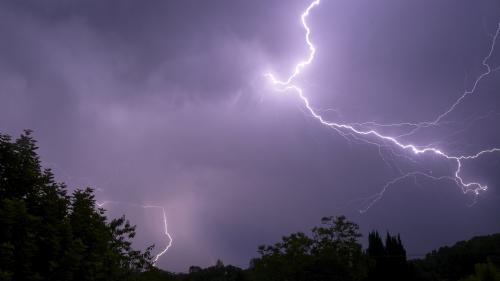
165	102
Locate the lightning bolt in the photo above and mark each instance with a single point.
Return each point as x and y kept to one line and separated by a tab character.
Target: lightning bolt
365	134
165	224
89	182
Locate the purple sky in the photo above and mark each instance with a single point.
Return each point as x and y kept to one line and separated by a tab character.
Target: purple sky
165	102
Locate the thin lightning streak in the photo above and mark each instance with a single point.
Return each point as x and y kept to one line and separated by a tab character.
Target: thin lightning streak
287	85
165	227
371	200
165	224
476	83
438	119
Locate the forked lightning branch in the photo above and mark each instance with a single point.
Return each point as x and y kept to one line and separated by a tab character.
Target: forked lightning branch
288	85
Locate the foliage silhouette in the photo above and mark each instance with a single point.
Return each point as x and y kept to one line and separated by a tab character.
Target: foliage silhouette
331	253
46	234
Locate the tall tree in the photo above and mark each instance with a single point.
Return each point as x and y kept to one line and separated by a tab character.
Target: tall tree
47	235
389	260
332	253
376	251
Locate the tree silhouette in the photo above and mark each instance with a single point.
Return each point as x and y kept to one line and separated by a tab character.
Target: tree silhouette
46	234
389	260
332	253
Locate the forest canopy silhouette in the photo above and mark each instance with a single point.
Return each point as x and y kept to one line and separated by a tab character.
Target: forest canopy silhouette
49	233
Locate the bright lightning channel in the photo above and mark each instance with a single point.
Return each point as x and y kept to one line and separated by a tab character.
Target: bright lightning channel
165	224
348	129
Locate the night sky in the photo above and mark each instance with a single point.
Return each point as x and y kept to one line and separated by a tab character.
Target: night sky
166	103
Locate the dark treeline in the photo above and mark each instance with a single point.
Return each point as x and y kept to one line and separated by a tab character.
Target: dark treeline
48	234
